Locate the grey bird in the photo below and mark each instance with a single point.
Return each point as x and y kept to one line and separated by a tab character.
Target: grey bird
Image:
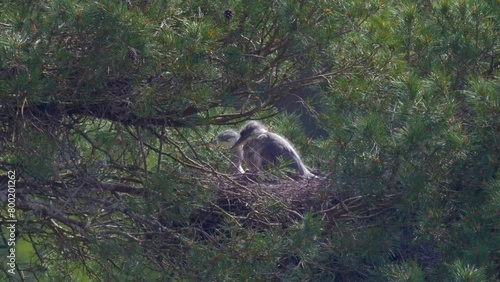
229	138
262	148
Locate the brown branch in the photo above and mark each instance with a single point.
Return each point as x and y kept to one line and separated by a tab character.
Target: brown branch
124	189
26	205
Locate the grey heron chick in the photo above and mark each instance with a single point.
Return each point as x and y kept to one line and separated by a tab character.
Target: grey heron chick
262	148
229	138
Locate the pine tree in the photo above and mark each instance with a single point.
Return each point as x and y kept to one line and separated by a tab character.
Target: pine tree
109	110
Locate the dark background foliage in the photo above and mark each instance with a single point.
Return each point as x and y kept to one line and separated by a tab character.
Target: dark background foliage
109	112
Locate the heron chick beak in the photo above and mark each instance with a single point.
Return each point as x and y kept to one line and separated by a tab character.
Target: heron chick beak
240	142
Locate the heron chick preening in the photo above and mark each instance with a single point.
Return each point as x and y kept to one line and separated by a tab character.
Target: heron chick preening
229	138
262	148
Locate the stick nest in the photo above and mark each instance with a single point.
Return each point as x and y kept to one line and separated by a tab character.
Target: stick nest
283	202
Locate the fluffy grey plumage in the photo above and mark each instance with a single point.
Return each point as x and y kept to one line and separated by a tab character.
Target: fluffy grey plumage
229	138
262	148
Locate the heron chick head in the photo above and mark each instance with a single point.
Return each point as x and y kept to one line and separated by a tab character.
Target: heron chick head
249	132
228	137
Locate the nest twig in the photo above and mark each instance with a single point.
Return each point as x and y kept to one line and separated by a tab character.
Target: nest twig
283	202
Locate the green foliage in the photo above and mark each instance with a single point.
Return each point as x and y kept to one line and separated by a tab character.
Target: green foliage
461	272
406	272
109	112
